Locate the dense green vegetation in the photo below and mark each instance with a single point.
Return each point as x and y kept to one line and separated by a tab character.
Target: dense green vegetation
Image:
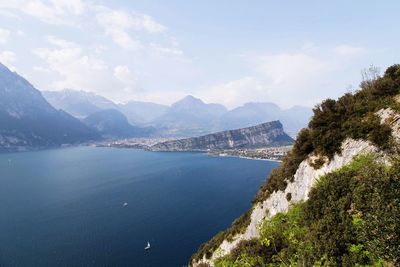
351	116
238	226
351	219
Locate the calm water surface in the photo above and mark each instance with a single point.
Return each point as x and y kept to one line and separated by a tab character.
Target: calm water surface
65	207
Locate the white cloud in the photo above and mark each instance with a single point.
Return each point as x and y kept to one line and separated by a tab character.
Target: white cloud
4	35
125	27
291	69
310	75
8	14
293	78
73	67
61	42
8	58
235	93
304	77
159	49
124	75
118	23
52	12
41	69
166	97
76	69
348	50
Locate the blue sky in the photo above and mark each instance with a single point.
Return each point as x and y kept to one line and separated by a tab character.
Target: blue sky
230	52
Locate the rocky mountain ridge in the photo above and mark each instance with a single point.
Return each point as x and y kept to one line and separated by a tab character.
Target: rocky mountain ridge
262	135
187	117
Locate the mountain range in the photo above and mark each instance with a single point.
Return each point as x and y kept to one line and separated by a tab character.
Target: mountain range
112	124
28	120
187	117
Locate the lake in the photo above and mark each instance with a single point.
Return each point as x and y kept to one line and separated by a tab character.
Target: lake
65	207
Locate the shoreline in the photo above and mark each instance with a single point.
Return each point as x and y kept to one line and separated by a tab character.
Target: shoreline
136	148
242	157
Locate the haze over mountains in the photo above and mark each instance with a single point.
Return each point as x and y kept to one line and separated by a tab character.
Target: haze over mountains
27	119
112	124
187	117
30	119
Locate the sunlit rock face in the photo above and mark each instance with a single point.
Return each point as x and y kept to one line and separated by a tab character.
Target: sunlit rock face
263	135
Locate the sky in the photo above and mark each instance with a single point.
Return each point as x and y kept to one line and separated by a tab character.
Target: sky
226	51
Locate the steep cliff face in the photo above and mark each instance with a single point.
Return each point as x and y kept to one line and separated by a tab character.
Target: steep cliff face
329	150
304	179
266	134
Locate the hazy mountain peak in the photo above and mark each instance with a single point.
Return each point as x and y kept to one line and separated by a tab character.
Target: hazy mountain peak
28	120
111	123
188	100
78	103
261	104
2	66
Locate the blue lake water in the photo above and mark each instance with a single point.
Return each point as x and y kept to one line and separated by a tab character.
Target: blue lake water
64	207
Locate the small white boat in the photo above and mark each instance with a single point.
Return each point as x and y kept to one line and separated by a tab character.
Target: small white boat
125	204
148	246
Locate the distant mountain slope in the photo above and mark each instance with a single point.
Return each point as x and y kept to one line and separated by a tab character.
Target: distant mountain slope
191	116
293	119
113	124
139	112
263	135
188	117
28	120
79	104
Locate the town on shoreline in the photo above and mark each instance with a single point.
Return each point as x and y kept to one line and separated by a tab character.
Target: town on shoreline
275	153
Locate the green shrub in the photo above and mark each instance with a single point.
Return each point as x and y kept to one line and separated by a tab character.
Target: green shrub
351	116
350	219
238	226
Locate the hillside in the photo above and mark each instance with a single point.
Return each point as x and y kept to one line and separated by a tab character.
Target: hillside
27	120
335	199
263	135
188	117
79	104
112	124
139	112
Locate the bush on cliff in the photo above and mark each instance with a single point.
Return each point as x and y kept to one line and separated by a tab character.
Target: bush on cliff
351	116
350	219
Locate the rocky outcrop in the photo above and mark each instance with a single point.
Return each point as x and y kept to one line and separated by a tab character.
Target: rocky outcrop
304	179
263	135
